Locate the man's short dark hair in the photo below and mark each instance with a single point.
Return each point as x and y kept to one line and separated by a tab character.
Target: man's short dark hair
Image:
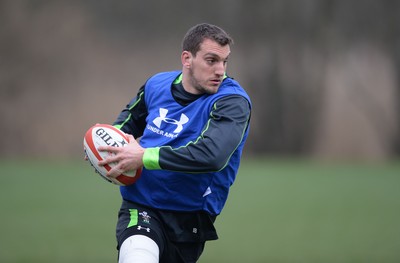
196	35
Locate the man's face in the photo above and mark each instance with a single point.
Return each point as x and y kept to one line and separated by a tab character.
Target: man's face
207	68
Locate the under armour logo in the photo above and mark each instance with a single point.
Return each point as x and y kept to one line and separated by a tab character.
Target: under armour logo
144	228
163	118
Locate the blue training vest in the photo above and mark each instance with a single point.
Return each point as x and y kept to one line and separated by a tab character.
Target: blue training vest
171	124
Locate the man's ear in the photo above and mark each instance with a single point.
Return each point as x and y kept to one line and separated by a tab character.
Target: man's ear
186	59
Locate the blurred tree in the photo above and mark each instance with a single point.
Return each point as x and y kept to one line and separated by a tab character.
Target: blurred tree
323	74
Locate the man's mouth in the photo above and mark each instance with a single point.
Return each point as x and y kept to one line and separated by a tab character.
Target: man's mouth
216	81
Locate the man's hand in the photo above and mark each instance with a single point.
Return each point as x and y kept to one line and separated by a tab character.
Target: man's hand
128	157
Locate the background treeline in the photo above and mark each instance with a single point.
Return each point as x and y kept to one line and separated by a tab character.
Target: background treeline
323	75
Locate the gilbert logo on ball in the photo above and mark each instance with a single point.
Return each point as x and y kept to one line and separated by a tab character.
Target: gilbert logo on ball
107	135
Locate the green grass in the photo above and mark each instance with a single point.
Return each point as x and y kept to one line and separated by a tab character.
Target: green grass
56	212
278	211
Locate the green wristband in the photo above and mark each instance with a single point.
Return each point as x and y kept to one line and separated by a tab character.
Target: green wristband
151	158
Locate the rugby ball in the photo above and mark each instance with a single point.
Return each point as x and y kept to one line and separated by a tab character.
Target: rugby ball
107	135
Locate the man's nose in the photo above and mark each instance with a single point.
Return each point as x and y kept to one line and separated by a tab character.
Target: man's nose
220	69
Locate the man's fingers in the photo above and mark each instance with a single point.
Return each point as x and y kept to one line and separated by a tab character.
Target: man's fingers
114	172
117	170
112	157
108	149
121	157
109	159
130	137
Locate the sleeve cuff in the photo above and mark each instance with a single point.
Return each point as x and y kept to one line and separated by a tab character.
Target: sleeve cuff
151	158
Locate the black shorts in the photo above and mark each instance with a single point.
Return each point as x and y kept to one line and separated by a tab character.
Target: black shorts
180	236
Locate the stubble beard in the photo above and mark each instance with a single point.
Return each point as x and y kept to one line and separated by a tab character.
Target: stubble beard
200	88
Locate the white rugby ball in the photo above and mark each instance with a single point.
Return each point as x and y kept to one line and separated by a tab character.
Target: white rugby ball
107	135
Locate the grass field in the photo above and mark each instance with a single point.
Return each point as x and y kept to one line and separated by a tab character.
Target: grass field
278	211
